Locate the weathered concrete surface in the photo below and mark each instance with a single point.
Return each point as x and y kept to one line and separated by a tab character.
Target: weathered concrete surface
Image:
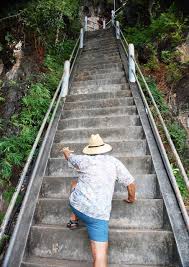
124	148
103	112
143	214
44	262
136	165
99	103
113	134
128	246
101	122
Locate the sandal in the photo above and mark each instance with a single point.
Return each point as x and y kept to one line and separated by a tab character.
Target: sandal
73	224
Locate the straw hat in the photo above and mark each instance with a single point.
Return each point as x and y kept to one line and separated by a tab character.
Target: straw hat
96	146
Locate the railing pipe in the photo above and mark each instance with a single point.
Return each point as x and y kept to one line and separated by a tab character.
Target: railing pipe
113	17
117	30
81	38
117	10
104	24
124	38
131	64
86	23
73	51
65	84
177	158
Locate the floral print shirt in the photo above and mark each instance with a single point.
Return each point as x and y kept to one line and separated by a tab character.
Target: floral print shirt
97	176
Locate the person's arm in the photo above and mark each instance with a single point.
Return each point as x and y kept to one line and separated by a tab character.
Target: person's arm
125	177
67	152
77	161
131	188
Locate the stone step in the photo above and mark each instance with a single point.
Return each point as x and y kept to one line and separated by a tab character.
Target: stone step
109	38
100	122
79	113
102	44
110	134
59	187
113	66
113	75
136	165
103	49
120	148
109	70
91	64
100	32
100	103
47	262
97	55
97	82
145	213
128	246
95	96
98	88
95	59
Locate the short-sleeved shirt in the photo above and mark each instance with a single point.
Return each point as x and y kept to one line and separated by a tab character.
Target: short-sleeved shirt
96	180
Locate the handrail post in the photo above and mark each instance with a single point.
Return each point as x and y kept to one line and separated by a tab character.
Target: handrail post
86	23
65	83
81	38
132	70
104	24
113	17
117	30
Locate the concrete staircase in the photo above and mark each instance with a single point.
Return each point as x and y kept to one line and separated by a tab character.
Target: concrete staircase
101	102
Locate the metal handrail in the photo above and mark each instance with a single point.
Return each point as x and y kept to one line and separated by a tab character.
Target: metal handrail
177	158
163	152
73	51
117	10
121	7
33	150
124	38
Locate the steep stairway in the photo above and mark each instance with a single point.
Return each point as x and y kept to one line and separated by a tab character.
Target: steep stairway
100	101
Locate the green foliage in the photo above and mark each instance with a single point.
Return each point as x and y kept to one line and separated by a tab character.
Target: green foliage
7	195
158	96
178	135
174	73
46	16
2	214
3	241
65	48
181	184
166	26
160	38
15	149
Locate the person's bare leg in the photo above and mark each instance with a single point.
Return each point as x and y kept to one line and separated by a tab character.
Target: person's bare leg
73	217
99	253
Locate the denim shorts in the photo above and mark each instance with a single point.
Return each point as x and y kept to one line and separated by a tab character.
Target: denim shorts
97	229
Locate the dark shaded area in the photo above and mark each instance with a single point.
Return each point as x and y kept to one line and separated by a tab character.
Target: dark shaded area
11	5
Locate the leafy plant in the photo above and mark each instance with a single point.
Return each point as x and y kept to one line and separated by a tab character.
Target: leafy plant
178	135
2	214
181	183
158	96
15	149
